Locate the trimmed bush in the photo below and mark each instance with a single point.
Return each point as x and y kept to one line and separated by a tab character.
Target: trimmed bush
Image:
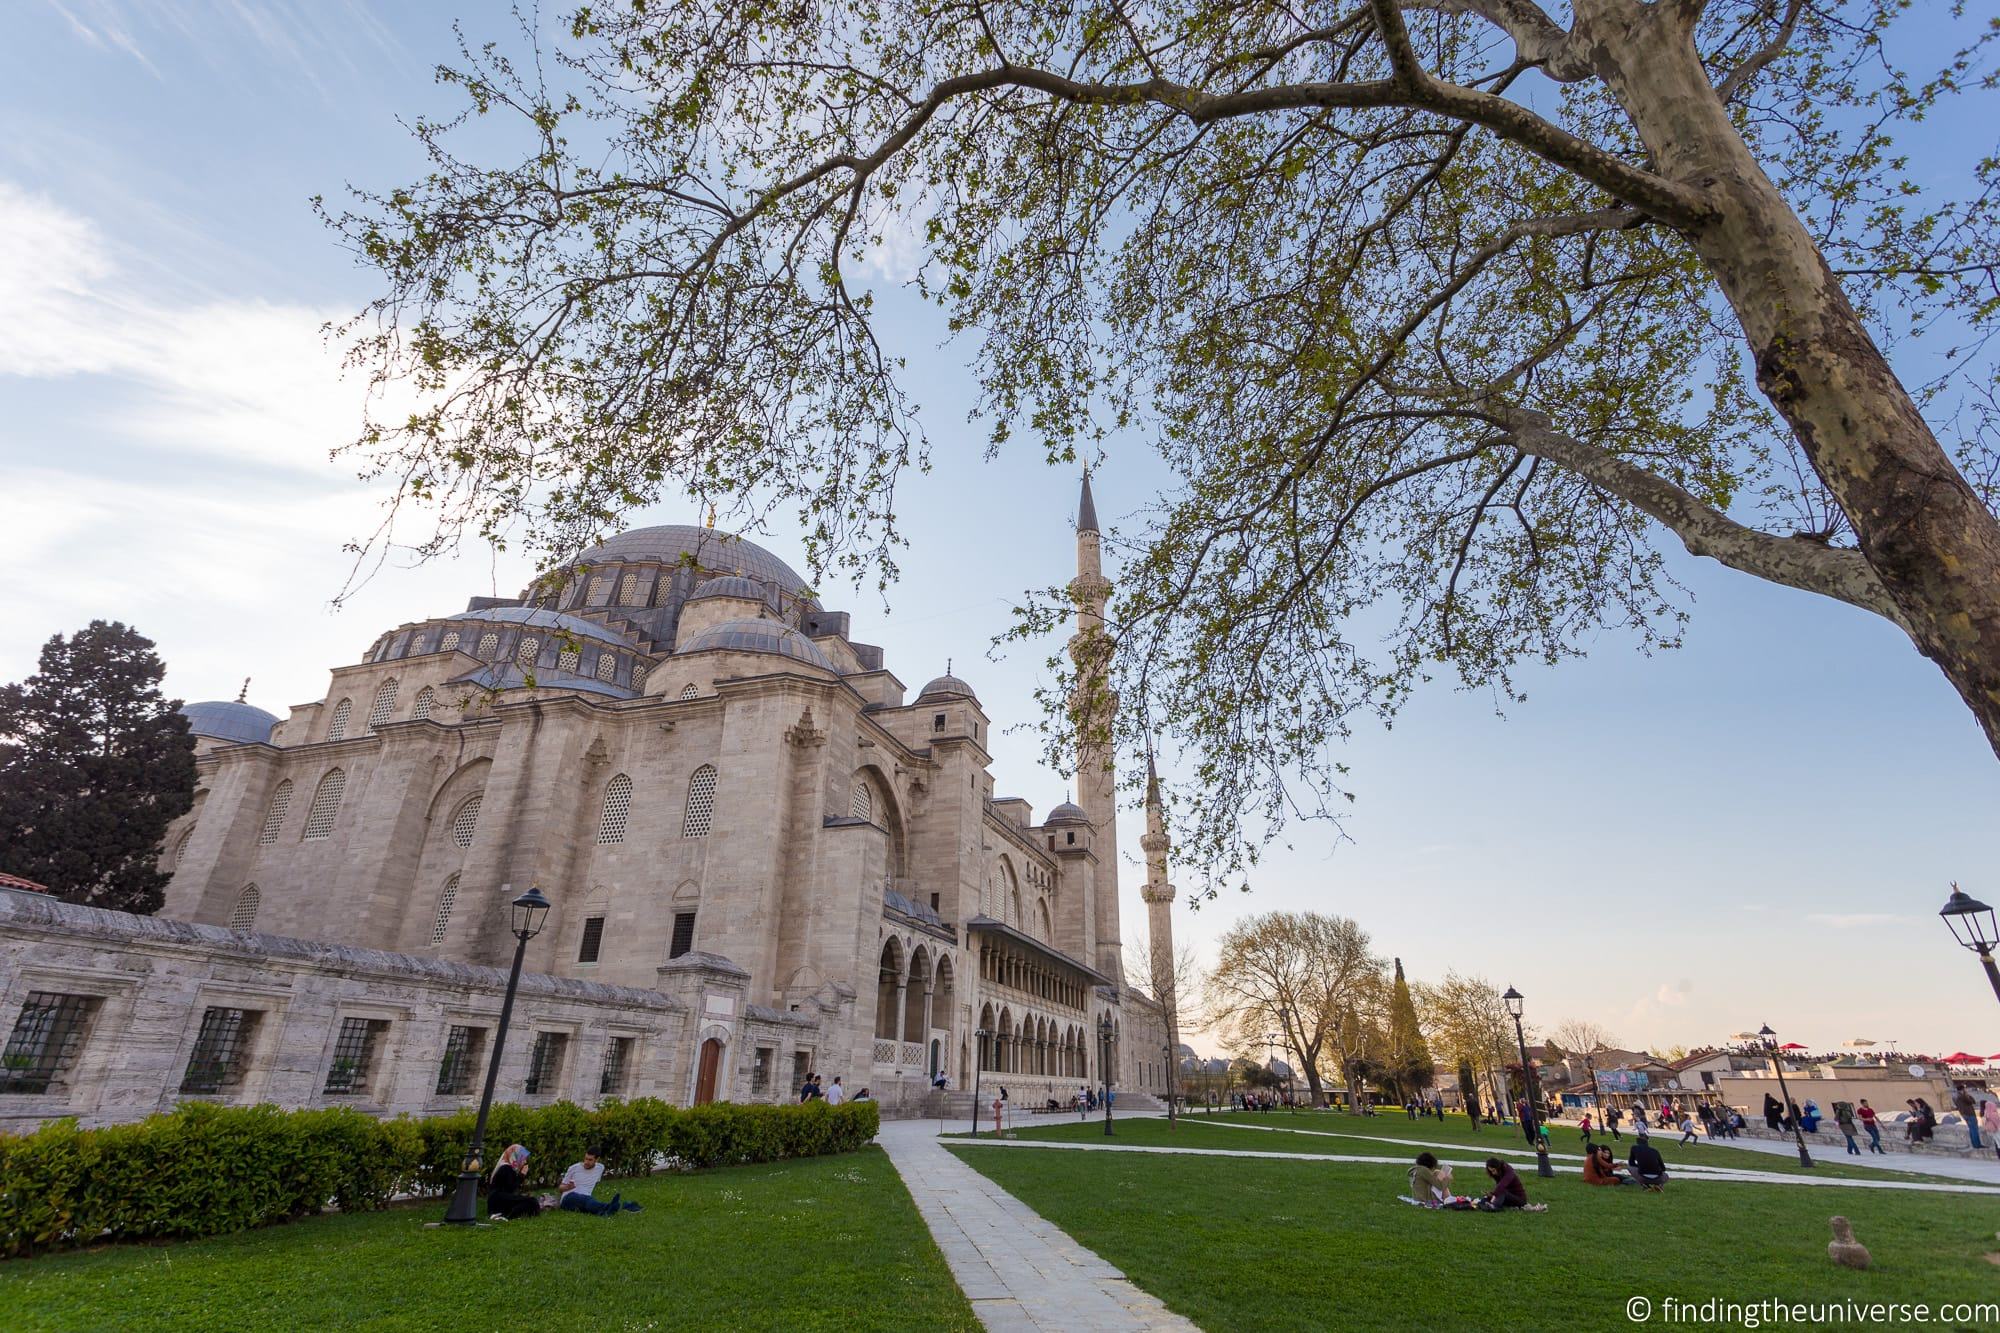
204	1170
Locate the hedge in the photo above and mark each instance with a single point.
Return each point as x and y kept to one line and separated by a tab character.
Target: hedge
203	1169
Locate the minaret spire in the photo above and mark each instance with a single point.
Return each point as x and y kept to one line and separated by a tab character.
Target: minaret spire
243	695
1094	708
1159	897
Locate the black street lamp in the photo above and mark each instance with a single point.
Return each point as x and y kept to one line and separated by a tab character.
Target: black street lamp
527	913
1530	1089
1770	1040
1972	925
980	1036
1104	1065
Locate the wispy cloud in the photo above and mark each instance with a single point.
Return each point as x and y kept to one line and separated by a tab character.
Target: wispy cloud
1856	920
305	39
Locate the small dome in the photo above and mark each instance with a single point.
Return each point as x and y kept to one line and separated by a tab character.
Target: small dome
227	720
759	636
729	585
944	686
1067	813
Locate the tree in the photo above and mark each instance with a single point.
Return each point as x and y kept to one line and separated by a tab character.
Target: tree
1468	1091
1175	982
1579	1037
1294	973
1410	1065
1468	1022
1453	307
94	764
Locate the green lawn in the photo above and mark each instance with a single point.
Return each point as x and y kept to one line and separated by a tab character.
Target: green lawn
821	1243
1236	1243
1362	1135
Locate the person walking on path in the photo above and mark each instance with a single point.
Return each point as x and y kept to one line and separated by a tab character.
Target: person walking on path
1843	1116
836	1094
1687	1128
1968	1111
1989	1112
1868	1118
1611	1119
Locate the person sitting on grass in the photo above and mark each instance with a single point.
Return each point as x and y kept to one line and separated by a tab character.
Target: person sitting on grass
505	1198
1648	1167
1507	1191
1430	1183
579	1182
1601	1168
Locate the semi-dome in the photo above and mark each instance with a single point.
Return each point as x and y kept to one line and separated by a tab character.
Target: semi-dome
729	585
759	636
543	618
947	685
708	549
1067	813
229	720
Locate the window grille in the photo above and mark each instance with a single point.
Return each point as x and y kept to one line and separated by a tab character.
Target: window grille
760	1070
445	901
181	846
801	1066
617	805
217	1061
488	645
593	939
691	692
639	670
545	1065
527	651
385	703
341	712
570	660
600	590
629	593
245	915
466	820
426	698
663	591
683	934
450	641
44	1041
354	1055
607	666
275	813
325	805
617	1057
861	804
462	1048
700	803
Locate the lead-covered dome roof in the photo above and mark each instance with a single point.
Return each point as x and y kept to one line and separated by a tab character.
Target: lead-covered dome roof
759	636
1067	813
947	685
705	547
229	720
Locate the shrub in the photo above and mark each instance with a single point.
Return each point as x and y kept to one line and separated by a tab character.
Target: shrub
203	1170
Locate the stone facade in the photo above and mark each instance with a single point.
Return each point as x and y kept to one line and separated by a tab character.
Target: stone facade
749	833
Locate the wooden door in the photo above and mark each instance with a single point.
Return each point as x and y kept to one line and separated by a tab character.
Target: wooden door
704	1079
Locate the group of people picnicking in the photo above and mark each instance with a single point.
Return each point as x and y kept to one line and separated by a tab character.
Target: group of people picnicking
508	1198
1431	1183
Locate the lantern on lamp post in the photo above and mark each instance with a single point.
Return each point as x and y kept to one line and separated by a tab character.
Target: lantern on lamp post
525	917
1972	925
1530	1089
1770	1041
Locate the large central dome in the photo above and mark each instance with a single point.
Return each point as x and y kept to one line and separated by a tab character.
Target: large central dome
711	551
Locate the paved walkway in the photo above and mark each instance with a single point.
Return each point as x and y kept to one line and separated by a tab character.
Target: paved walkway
1018	1269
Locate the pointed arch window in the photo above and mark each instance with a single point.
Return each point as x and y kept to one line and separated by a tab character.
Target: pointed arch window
275	813
245	915
526	652
426	699
861	805
617	808
639	670
342	711
570	660
445	901
488	645
607	666
692	691
629	591
181	846
700	803
450	641
325	806
385	703
600	589
466	820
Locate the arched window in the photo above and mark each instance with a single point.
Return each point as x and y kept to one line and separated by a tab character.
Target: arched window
181	846
465	821
274	814
691	692
489	643
325	805
570	660
700	804
861	805
385	703
1042	924
425	698
341	712
1014	909
445	901
245	915
600	588
526	652
617	805
639	675
607	665
629	592
450	641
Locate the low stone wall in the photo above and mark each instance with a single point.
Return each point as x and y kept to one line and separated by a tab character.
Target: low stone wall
141	986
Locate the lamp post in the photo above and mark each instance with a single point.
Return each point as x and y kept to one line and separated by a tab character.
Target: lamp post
1104	1065
1972	925
1530	1122
527	913
1770	1040
980	1036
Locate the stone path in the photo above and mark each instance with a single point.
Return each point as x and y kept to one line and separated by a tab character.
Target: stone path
1019	1270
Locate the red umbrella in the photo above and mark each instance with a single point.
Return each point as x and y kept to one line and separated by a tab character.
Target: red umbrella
1961	1058
1793	1046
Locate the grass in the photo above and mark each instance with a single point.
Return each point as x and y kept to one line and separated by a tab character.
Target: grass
820	1243
1237	1243
1341	1134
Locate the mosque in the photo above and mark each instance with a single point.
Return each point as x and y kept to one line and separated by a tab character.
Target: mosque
765	856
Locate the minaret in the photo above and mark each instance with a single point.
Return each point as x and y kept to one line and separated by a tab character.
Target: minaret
1095	706
1159	896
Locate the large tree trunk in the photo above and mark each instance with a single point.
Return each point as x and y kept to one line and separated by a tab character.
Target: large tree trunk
1934	545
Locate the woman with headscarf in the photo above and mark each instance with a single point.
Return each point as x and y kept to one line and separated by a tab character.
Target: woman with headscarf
1774	1114
1809	1122
506	1197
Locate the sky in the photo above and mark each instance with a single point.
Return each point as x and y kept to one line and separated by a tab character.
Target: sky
1756	828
